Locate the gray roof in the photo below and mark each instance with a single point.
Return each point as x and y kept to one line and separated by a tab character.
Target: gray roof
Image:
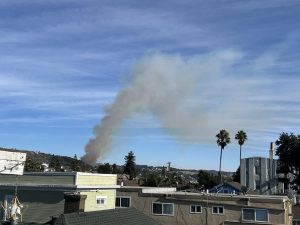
119	216
235	185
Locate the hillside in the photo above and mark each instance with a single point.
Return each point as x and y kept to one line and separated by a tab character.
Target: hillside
40	156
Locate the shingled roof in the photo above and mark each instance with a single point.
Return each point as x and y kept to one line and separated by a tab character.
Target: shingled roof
119	216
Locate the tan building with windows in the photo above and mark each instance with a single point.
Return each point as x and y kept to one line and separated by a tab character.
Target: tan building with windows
169	206
44	195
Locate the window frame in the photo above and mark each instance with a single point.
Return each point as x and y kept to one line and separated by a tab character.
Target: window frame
120	197
218	207
162	204
196	212
255	220
101	197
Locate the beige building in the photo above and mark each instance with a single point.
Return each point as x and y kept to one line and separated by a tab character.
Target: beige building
169	206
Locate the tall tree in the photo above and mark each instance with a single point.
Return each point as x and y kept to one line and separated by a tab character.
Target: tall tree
129	167
74	165
288	152
222	140
115	169
236	176
32	166
55	163
152	180
241	137
206	179
104	168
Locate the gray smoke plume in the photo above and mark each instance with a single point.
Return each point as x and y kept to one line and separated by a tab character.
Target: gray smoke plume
169	87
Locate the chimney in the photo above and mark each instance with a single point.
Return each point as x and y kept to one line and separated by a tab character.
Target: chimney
74	202
271	152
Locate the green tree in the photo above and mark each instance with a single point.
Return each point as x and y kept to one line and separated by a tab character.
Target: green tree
151	180
288	152
241	136
206	179
55	163
163	172
171	179
84	167
74	165
32	166
222	140
104	168
115	169
130	167
236	176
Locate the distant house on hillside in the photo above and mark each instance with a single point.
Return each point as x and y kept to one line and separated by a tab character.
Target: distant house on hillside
123	180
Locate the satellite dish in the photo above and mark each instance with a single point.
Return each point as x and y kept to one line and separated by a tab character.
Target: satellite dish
12	162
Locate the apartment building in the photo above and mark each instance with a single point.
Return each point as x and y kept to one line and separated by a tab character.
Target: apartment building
260	174
170	207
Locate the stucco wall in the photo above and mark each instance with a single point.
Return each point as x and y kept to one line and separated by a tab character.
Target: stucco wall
90	202
86	179
38	178
182	215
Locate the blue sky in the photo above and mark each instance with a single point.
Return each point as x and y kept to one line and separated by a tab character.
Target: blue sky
64	63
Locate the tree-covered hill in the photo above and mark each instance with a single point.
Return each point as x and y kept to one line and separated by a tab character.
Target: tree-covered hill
38	158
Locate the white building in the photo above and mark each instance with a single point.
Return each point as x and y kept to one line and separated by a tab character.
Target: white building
260	174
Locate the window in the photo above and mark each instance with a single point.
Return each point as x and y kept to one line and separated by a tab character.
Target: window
257	185
218	210
257	170
296	222
123	202
195	209
163	208
101	201
260	215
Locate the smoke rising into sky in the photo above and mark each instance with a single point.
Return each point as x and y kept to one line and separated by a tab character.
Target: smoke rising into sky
192	98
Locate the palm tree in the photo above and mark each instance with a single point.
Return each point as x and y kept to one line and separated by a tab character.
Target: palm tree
222	140
241	136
